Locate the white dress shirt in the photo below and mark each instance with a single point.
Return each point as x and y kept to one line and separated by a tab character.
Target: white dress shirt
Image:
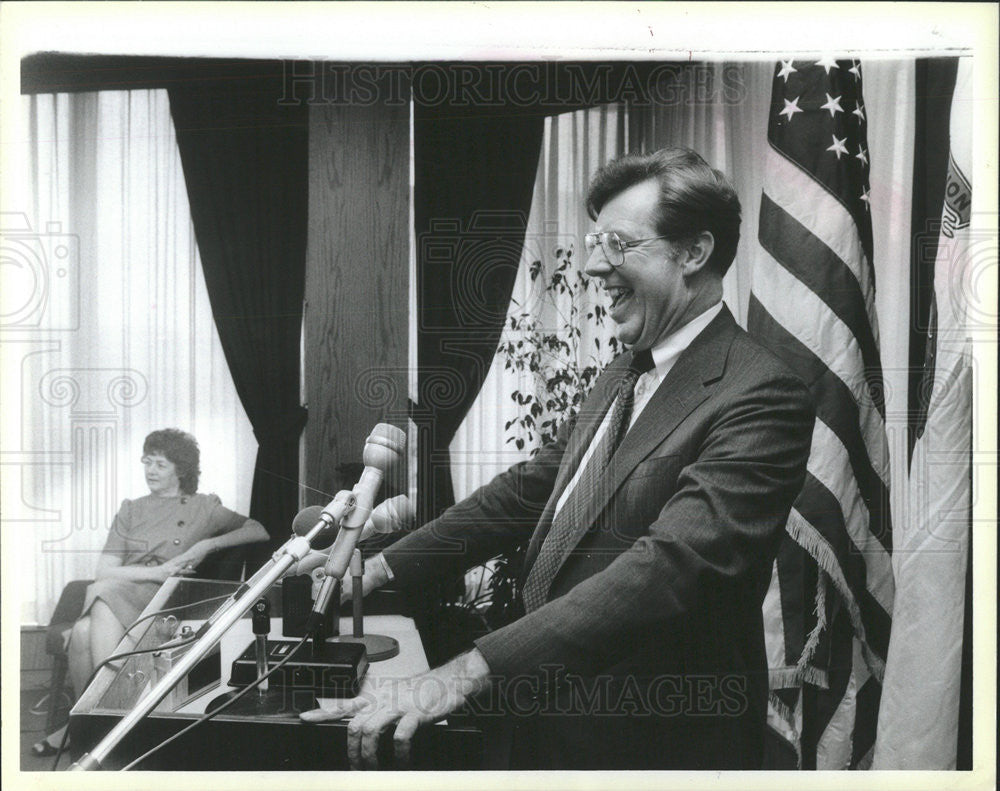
665	354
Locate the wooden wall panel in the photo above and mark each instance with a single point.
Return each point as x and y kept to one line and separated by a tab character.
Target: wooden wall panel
357	271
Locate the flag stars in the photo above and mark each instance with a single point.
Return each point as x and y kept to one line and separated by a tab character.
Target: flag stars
865	198
859	111
838	146
827	62
855	69
787	69
833	105
791	108
862	155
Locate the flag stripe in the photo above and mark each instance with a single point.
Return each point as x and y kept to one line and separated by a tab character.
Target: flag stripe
830	470
791	573
836	407
839	706
814	207
865	728
793	246
819	508
835	707
829	340
774	642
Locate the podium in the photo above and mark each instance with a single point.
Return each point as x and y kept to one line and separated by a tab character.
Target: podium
244	742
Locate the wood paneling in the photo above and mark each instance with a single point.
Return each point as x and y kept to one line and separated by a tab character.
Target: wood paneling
357	272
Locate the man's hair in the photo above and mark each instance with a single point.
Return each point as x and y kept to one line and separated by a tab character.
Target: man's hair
694	197
180	448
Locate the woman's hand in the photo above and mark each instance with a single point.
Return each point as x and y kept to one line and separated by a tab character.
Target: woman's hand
193	557
164	571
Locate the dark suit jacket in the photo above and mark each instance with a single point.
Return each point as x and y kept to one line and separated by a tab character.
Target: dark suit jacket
650	651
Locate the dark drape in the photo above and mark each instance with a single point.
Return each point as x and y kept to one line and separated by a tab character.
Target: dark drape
473	180
245	159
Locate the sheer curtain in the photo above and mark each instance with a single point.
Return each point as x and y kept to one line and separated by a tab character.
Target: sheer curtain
574	145
107	331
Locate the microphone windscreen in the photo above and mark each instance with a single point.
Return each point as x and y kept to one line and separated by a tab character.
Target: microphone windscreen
306	519
384	446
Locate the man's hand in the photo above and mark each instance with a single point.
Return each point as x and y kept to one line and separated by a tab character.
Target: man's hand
410	702
313	560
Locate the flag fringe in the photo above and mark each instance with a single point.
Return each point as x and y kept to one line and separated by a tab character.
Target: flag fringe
783	677
810	539
786	716
784	711
812	642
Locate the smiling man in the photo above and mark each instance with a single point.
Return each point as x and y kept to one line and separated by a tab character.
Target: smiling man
652	521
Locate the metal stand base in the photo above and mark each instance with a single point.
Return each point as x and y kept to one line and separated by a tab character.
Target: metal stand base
378	646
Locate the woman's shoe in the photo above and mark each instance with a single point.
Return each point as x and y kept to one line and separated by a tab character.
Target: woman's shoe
43	749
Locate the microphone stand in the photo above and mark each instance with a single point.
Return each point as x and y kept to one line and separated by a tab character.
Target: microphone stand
377	646
293	552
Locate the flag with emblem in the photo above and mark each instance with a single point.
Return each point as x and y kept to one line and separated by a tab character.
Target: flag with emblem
827	613
920	719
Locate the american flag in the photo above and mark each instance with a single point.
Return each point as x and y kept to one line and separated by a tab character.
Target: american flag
828	611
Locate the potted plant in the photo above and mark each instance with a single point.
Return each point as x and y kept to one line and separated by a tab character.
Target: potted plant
559	344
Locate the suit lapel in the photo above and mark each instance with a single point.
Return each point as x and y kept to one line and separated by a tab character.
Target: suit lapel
686	385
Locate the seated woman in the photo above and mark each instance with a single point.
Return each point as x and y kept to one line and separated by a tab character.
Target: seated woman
167	532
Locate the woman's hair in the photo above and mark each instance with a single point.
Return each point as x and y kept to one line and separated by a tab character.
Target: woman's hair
181	449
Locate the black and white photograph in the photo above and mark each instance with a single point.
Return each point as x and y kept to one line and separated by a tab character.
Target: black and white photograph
557	394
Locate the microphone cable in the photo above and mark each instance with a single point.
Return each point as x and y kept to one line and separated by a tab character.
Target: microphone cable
210	714
158	613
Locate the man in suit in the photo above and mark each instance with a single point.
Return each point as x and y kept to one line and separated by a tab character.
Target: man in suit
652	521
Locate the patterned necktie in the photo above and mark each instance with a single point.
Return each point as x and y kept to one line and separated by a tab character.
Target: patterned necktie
568	522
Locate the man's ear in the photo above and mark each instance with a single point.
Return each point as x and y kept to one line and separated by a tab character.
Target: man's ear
697	251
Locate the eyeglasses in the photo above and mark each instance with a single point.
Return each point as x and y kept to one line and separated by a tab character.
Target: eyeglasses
613	246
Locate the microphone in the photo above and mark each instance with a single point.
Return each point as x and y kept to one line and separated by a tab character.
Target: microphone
382	448
324	520
306	519
311	525
396	513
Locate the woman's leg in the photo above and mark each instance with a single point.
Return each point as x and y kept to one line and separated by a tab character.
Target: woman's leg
80	663
80	667
105	632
